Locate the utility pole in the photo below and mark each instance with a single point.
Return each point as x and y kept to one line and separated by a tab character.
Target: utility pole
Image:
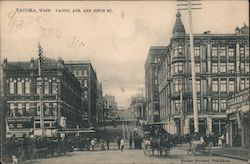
40	61
188	6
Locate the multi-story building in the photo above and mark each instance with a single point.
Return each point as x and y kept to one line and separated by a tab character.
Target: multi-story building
238	119
138	107
86	75
222	68
100	104
110	105
154	57
61	97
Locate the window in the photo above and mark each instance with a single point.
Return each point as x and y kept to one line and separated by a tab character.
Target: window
198	85
196	51
156	59
247	83
46	109
54	109
197	68
199	105
175	51
242	52
85	94
242	67
231	67
12	109
20	109
231	52
76	72
177	106
38	109
11	87
215	106
180	49
222	51
177	85
156	81
231	86
85	72
178	67
46	87
214	51
223	105
215	85
27	109
214	67
19	88
242	84
156	73
247	51
27	87
247	68
54	88
85	83
223	85
222	67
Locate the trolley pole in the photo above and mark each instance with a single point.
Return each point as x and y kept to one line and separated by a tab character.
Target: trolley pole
40	60
189	8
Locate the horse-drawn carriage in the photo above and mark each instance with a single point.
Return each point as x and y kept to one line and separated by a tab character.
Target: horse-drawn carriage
156	139
198	146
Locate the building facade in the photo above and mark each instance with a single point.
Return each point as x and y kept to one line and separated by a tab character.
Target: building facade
222	68
154	57
110	105
61	97
85	73
138	107
238	119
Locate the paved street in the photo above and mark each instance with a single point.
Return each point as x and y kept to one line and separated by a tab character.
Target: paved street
115	156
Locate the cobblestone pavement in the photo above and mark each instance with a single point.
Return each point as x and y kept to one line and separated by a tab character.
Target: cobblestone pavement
114	156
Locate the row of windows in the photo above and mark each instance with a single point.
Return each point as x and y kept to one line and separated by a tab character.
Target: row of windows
216	67
80	72
215	105
24	109
216	85
21	88
216	51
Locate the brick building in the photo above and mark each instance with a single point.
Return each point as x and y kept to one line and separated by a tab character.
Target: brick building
154	57
85	73
222	68
61	97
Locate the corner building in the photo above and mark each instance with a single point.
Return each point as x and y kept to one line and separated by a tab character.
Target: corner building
61	97
222	68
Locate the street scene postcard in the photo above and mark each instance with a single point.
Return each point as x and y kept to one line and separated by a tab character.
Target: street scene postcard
124	82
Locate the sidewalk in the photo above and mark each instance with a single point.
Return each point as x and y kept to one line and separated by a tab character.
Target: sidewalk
232	152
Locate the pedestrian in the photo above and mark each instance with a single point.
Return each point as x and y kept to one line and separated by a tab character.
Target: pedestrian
122	144
108	141
130	141
93	144
118	142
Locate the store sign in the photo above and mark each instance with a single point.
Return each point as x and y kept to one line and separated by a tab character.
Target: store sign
20	122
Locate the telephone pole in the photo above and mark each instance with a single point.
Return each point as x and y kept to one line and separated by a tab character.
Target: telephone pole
188	5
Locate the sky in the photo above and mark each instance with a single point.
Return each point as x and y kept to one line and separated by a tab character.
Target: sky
116	41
